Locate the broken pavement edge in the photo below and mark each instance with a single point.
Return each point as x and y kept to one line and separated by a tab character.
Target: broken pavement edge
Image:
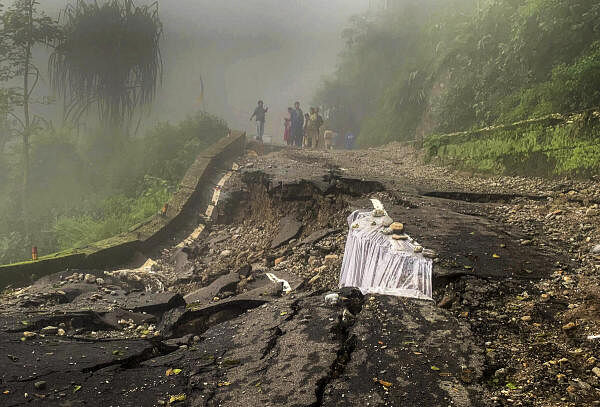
119	249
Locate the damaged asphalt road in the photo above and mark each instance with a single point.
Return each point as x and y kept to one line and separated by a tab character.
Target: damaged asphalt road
238	315
295	351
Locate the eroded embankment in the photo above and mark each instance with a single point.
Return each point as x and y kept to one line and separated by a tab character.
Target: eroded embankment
225	332
192	193
243	319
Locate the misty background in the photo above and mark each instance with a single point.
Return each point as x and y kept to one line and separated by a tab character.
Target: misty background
242	51
82	179
406	71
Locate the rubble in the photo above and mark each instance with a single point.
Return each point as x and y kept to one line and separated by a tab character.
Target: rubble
519	328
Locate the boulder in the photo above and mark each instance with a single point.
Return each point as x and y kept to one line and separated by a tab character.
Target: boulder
153	302
228	282
289	228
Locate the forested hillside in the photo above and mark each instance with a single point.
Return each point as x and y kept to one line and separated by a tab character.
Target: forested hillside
440	66
86	174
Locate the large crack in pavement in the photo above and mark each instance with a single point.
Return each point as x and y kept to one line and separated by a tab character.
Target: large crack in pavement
243	320
155	349
352	306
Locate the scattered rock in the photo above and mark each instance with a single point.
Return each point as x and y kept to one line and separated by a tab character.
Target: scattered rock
314	279
331	258
447	301
226	253
41	385
569	327
332	299
397	227
181	261
318	235
119	318
50	330
430	254
89	278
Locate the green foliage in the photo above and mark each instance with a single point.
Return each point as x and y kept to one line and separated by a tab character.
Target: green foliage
446	66
551	146
109	57
517	61
21	27
571	87
115	215
169	149
382	85
78	197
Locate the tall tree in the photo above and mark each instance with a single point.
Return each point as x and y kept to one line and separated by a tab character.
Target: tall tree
22	28
109	58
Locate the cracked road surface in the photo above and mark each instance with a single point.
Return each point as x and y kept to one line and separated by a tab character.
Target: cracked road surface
203	323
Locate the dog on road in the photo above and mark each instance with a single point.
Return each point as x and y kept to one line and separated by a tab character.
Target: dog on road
329	137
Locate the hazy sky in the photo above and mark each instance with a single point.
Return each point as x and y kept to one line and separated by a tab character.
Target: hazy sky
245	50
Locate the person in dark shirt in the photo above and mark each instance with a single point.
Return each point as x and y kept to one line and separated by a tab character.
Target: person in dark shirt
259	115
297	125
319	142
349	140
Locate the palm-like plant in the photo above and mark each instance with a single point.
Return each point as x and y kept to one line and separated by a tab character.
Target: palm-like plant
109	57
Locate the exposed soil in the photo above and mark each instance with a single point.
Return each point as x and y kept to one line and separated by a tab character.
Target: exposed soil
515	289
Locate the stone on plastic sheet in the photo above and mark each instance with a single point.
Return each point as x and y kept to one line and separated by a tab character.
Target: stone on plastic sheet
379	264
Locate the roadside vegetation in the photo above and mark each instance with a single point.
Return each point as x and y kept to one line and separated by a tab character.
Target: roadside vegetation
89	173
555	145
80	195
436	67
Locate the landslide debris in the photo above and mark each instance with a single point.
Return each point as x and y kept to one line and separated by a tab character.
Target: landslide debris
515	290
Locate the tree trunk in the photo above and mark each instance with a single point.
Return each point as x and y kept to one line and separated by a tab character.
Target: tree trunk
27	122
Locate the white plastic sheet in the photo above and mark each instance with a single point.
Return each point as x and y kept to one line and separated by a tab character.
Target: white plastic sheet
376	263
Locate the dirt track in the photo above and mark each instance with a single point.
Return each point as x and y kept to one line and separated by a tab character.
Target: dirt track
515	287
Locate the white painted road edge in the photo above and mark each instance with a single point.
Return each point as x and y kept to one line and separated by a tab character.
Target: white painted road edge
211	206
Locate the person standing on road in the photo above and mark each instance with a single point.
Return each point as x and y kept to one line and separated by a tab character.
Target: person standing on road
312	130
297	128
320	141
306	130
349	140
259	115
287	124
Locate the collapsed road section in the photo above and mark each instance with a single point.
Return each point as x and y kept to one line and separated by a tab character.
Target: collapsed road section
249	310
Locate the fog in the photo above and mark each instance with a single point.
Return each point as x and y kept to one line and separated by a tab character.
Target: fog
244	50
